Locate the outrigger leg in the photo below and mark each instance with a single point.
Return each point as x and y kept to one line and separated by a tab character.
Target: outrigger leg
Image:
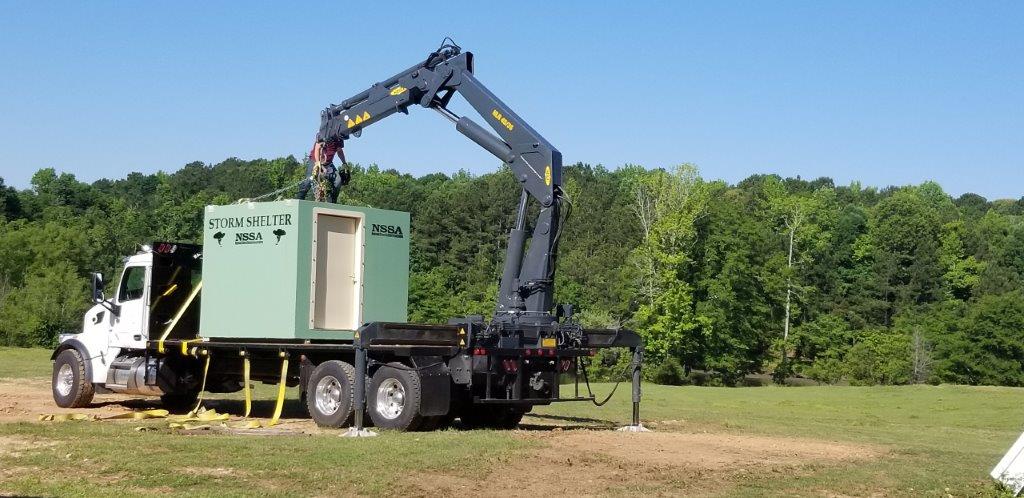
357	429
636	426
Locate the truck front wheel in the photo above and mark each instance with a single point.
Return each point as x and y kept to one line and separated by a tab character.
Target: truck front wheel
394	398
329	393
70	387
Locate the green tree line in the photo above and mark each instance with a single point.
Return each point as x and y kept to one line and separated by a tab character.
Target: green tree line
772	275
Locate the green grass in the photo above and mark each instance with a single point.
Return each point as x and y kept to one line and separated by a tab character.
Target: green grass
25	362
105	459
938	436
931	439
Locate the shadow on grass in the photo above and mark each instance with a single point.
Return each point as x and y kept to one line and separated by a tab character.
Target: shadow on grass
564	427
295	409
575	422
132	404
292	408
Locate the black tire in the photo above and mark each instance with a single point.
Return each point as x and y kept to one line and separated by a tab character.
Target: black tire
69	367
395	378
179	402
491	417
329	394
366	408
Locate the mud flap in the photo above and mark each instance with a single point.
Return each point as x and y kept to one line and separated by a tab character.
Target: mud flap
435	385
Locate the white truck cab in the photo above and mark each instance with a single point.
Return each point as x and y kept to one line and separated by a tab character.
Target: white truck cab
109	354
118	322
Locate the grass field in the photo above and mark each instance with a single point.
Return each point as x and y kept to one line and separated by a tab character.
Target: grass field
915	440
23	362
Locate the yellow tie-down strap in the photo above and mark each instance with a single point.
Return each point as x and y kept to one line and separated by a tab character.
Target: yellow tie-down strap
202	388
170	290
199	417
245	384
280	390
177	316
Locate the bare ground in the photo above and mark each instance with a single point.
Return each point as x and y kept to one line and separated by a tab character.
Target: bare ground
600	462
25	399
577	456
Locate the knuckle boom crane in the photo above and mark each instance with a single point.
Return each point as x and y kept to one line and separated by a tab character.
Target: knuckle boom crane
526	289
523	316
156	337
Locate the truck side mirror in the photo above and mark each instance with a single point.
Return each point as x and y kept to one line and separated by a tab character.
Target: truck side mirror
97	294
97	287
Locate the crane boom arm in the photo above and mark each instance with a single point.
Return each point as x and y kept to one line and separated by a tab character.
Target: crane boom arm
527	285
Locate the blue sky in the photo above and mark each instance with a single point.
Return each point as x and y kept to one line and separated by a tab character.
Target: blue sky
881	92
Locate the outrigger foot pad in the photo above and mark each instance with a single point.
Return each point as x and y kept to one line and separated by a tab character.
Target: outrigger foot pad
353	432
633	428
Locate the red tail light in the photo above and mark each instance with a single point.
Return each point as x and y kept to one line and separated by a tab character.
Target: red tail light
511	365
527	352
479	351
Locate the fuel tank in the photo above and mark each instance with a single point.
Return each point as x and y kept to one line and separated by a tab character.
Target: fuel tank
139	375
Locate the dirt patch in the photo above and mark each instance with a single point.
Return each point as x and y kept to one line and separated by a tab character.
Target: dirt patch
23	400
710	451
588	462
26	399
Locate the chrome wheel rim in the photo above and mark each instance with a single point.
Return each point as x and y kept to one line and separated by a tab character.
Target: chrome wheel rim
65	379
328	395
390	399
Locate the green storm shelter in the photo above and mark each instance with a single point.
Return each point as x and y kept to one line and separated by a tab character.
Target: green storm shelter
301	270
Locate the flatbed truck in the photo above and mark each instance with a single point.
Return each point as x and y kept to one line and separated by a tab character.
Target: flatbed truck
401	376
313	294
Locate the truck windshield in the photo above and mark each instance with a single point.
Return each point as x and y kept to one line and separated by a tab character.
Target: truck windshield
132	284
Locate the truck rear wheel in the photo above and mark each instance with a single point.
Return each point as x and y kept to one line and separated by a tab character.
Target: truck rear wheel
394	398
329	393
70	387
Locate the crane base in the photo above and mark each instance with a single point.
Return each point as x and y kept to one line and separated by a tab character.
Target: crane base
633	428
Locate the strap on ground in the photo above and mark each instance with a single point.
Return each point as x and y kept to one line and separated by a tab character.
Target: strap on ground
198	417
64	417
143	415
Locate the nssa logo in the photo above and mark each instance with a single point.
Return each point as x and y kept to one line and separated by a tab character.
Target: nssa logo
248	238
386	230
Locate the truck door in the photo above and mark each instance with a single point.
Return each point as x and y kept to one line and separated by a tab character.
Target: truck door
129	330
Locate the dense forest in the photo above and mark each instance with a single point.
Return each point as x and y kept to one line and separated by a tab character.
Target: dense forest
772	275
